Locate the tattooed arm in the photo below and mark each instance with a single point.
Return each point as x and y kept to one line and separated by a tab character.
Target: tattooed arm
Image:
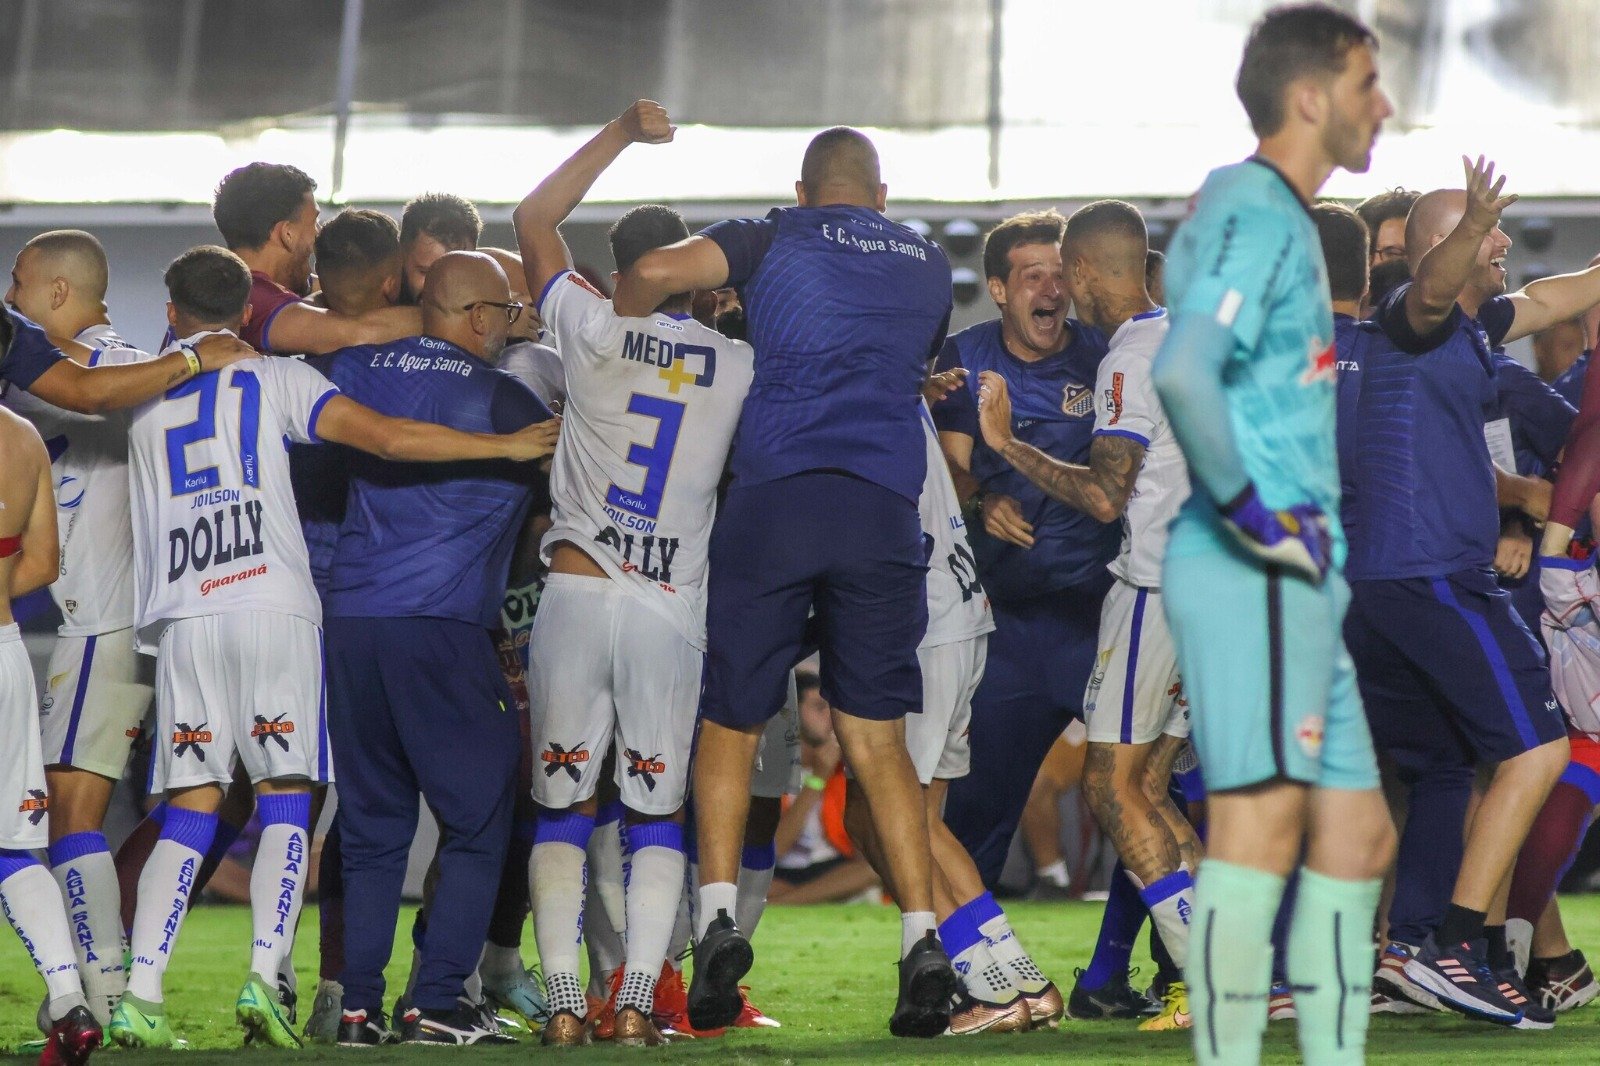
1100	489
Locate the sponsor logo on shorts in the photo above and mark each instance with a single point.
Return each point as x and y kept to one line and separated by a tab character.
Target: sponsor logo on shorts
186	740
559	758
265	730
34	805
1309	734
1077	401
646	768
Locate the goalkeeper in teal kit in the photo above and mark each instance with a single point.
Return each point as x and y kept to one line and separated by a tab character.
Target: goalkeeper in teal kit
1252	577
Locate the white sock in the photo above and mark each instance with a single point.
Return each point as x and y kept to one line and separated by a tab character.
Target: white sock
655	885
501	963
1055	873
556	876
753	885
719	896
988	978
1171	904
914	925
607	872
603	943
84	870
163	903
1007	950
277	886
33	906
682	930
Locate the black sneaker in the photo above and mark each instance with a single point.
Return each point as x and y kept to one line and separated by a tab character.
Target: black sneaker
1462	981
927	984
1534	1015
1114	999
458	1027
721	957
1563	983
358	1028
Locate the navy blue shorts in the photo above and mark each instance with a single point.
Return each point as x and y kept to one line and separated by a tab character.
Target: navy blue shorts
849	548
1446	667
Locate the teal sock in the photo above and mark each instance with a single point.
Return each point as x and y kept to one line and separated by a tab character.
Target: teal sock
1230	961
1330	966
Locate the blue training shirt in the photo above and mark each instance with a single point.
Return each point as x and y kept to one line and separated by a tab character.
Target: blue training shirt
25	350
1570	383
1423	485
430	539
845	310
1052	408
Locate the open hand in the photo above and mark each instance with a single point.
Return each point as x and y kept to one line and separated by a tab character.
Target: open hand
535	441
994	410
646	122
1484	202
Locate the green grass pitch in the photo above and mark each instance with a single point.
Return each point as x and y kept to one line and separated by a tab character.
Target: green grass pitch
827	974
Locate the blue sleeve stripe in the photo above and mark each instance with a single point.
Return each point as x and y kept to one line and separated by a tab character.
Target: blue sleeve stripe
1143	441
266	345
316	413
539	303
94	356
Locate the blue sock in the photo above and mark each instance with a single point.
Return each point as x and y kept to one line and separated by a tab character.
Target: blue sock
77	845
193	829
224	838
959	934
1119	929
287	808
655	835
759	856
158	813
569	828
13	862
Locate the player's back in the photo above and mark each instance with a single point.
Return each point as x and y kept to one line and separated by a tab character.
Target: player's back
1250	259
958	606
845	309
214	523
652	406
89	462
430	539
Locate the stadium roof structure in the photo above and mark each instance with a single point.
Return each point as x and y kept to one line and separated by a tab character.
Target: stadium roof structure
151	101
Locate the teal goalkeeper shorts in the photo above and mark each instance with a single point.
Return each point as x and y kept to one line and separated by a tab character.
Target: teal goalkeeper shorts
1271	689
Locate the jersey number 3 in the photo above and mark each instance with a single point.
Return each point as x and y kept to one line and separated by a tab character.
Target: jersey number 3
656	458
204	428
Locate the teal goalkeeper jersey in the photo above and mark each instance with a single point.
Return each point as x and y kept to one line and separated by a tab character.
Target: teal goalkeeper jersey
1249	257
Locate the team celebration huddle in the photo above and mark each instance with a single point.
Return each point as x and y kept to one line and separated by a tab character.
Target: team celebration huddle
393	519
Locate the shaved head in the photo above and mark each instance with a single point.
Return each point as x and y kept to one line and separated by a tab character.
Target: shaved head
74	255
511	263
1109	233
456	301
1434	214
840	166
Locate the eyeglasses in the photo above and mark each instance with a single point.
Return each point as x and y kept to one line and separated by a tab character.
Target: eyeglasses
513	309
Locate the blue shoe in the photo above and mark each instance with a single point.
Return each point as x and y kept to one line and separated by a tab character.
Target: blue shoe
1460	978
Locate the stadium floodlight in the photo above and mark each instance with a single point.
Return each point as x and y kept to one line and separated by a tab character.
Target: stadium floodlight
965	285
962	236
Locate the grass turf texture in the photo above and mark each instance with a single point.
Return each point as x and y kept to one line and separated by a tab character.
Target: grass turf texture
827	974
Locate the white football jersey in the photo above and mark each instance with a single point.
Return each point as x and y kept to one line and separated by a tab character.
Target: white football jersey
1126	405
537	366
652	404
214	523
958	608
89	462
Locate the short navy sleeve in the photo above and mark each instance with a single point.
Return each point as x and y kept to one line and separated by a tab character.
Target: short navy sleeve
1391	318
957	412
744	243
514	406
25	351
1495	316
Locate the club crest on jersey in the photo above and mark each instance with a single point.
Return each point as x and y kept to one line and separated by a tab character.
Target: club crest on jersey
559	758
34	805
1324	366
639	766
1077	401
1114	398
274	729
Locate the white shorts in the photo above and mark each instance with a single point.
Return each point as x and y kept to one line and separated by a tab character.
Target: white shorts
24	801
98	692
604	667
244	688
1135	693
778	771
937	738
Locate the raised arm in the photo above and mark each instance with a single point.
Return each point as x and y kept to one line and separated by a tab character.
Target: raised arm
1446	268
541	212
1100	489
344	421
